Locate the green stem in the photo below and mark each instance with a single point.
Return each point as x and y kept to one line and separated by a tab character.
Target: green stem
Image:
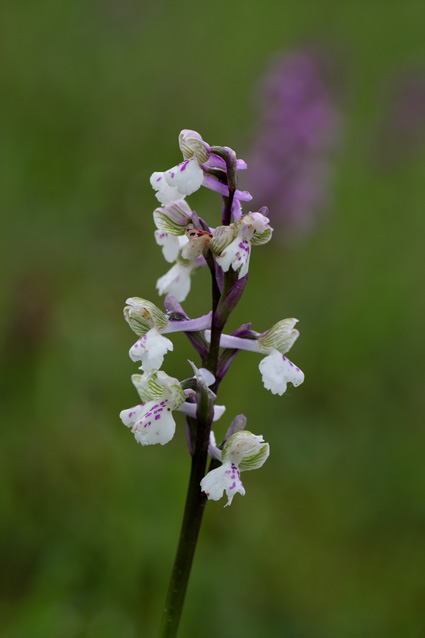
193	513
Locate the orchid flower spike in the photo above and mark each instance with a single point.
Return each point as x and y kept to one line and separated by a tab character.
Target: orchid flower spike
188	176
152	422
242	451
232	244
276	369
149	322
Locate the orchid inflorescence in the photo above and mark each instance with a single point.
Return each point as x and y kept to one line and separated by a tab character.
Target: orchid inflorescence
189	243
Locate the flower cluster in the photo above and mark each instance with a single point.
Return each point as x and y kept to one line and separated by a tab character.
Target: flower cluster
299	129
189	243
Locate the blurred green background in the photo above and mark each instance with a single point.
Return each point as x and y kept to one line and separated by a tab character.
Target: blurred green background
329	541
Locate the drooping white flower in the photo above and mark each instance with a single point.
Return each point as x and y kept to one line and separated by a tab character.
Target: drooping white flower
152	422
188	176
242	451
150	323
252	229
276	369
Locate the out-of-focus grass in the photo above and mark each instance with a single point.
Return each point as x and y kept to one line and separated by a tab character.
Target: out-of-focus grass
328	540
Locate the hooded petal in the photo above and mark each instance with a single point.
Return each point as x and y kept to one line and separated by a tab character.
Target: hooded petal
246	450
277	371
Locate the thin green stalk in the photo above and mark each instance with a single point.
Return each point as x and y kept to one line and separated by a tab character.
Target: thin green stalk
192	519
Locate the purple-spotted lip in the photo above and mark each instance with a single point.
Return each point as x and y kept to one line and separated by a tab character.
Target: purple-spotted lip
290	363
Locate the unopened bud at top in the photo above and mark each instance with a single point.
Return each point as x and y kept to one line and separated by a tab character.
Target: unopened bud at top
192	145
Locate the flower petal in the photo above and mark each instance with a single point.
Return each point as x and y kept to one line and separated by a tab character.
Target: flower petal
175	282
171	244
190	410
237	255
277	371
150	350
156	425
186	177
166	193
130	416
223	479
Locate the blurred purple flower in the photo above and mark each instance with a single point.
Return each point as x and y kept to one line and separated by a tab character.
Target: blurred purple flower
300	125
402	132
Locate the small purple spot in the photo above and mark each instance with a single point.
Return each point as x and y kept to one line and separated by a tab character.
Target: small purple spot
183	165
233	485
159	179
158	416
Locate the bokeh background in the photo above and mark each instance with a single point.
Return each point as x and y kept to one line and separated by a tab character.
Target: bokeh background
329	540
